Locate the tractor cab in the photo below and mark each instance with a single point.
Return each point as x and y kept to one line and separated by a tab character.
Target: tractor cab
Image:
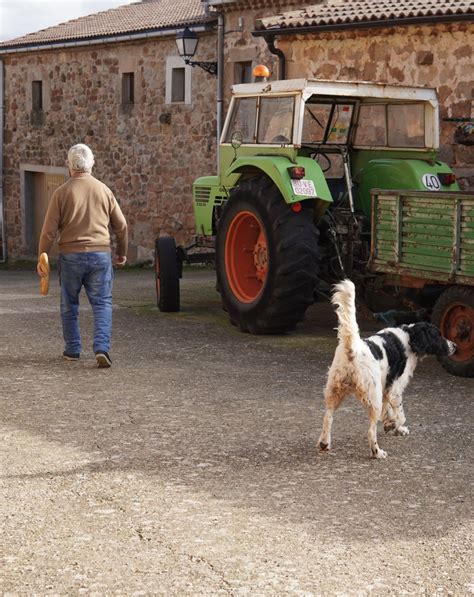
345	128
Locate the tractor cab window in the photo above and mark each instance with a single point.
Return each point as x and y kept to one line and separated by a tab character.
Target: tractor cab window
406	125
275	123
326	123
262	120
392	125
372	126
243	120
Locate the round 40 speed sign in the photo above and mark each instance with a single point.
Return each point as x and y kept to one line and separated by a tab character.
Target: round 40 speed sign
431	182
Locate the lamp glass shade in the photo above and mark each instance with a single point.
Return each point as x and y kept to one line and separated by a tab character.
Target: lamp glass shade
187	42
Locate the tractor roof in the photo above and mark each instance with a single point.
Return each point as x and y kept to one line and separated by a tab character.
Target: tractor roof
353	89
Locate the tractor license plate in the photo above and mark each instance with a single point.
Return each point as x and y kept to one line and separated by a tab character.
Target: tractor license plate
304	188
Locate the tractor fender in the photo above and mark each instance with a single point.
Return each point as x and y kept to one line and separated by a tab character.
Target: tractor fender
276	168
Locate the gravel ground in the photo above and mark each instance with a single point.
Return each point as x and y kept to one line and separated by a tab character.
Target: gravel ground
190	466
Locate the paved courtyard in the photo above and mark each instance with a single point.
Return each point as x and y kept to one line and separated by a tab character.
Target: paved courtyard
190	466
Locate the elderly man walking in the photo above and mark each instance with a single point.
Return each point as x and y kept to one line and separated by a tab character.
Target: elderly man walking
80	211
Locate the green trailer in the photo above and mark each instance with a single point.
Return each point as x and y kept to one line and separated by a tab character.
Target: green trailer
426	239
321	180
423	235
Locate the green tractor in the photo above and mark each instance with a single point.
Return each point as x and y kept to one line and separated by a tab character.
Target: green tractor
323	180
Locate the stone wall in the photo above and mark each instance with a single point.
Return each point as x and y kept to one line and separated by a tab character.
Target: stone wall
438	56
242	46
148	154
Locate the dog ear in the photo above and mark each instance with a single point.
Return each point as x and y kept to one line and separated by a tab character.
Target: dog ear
415	337
424	338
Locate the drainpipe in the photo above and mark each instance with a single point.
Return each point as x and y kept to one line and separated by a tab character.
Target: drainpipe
270	39
220	76
2	210
220	82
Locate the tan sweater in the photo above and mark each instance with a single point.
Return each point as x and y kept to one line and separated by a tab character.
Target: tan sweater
80	211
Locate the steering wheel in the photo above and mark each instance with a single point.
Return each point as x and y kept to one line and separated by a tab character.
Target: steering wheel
280	139
315	157
315	153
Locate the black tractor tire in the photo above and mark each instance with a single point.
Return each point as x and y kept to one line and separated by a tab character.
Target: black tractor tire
453	313
280	297
167	274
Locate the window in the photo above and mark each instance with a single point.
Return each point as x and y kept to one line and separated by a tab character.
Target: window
37	116
406	125
128	88
37	96
340	123
178	81
178	85
327	123
372	126
316	118
392	125
243	120
242	72
276	120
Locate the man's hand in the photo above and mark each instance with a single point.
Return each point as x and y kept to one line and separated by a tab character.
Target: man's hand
41	273
119	260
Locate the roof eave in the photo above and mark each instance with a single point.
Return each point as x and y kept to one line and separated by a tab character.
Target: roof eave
271	32
198	27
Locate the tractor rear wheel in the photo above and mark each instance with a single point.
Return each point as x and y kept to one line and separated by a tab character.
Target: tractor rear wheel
266	258
166	274
453	313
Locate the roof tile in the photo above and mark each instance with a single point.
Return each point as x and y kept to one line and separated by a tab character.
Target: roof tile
344	12
130	18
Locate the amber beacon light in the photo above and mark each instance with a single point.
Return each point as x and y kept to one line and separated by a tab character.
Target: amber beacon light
261	73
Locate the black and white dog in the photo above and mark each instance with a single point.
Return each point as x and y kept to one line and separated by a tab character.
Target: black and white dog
376	370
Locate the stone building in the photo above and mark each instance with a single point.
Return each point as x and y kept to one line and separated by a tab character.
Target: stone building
114	80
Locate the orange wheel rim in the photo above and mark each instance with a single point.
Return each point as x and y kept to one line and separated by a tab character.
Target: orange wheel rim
246	256
457	325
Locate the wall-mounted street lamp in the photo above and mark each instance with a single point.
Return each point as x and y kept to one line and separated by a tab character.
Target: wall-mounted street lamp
187	42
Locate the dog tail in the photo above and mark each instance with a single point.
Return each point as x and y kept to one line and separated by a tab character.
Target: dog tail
348	330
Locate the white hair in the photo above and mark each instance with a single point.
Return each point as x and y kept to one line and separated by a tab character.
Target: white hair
80	158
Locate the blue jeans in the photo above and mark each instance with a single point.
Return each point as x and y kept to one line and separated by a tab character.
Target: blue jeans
94	272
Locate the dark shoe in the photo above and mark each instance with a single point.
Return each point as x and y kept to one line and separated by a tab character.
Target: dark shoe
103	359
68	356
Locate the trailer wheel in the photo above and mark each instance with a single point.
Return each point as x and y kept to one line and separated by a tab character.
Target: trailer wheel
453	313
266	259
166	274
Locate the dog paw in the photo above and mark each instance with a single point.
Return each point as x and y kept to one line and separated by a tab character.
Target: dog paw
402	430
323	447
379	454
389	427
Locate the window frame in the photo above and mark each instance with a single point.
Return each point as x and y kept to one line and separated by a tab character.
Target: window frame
37	97
296	120
388	146
173	62
291	119
128	88
390	129
240	69
235	107
331	121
